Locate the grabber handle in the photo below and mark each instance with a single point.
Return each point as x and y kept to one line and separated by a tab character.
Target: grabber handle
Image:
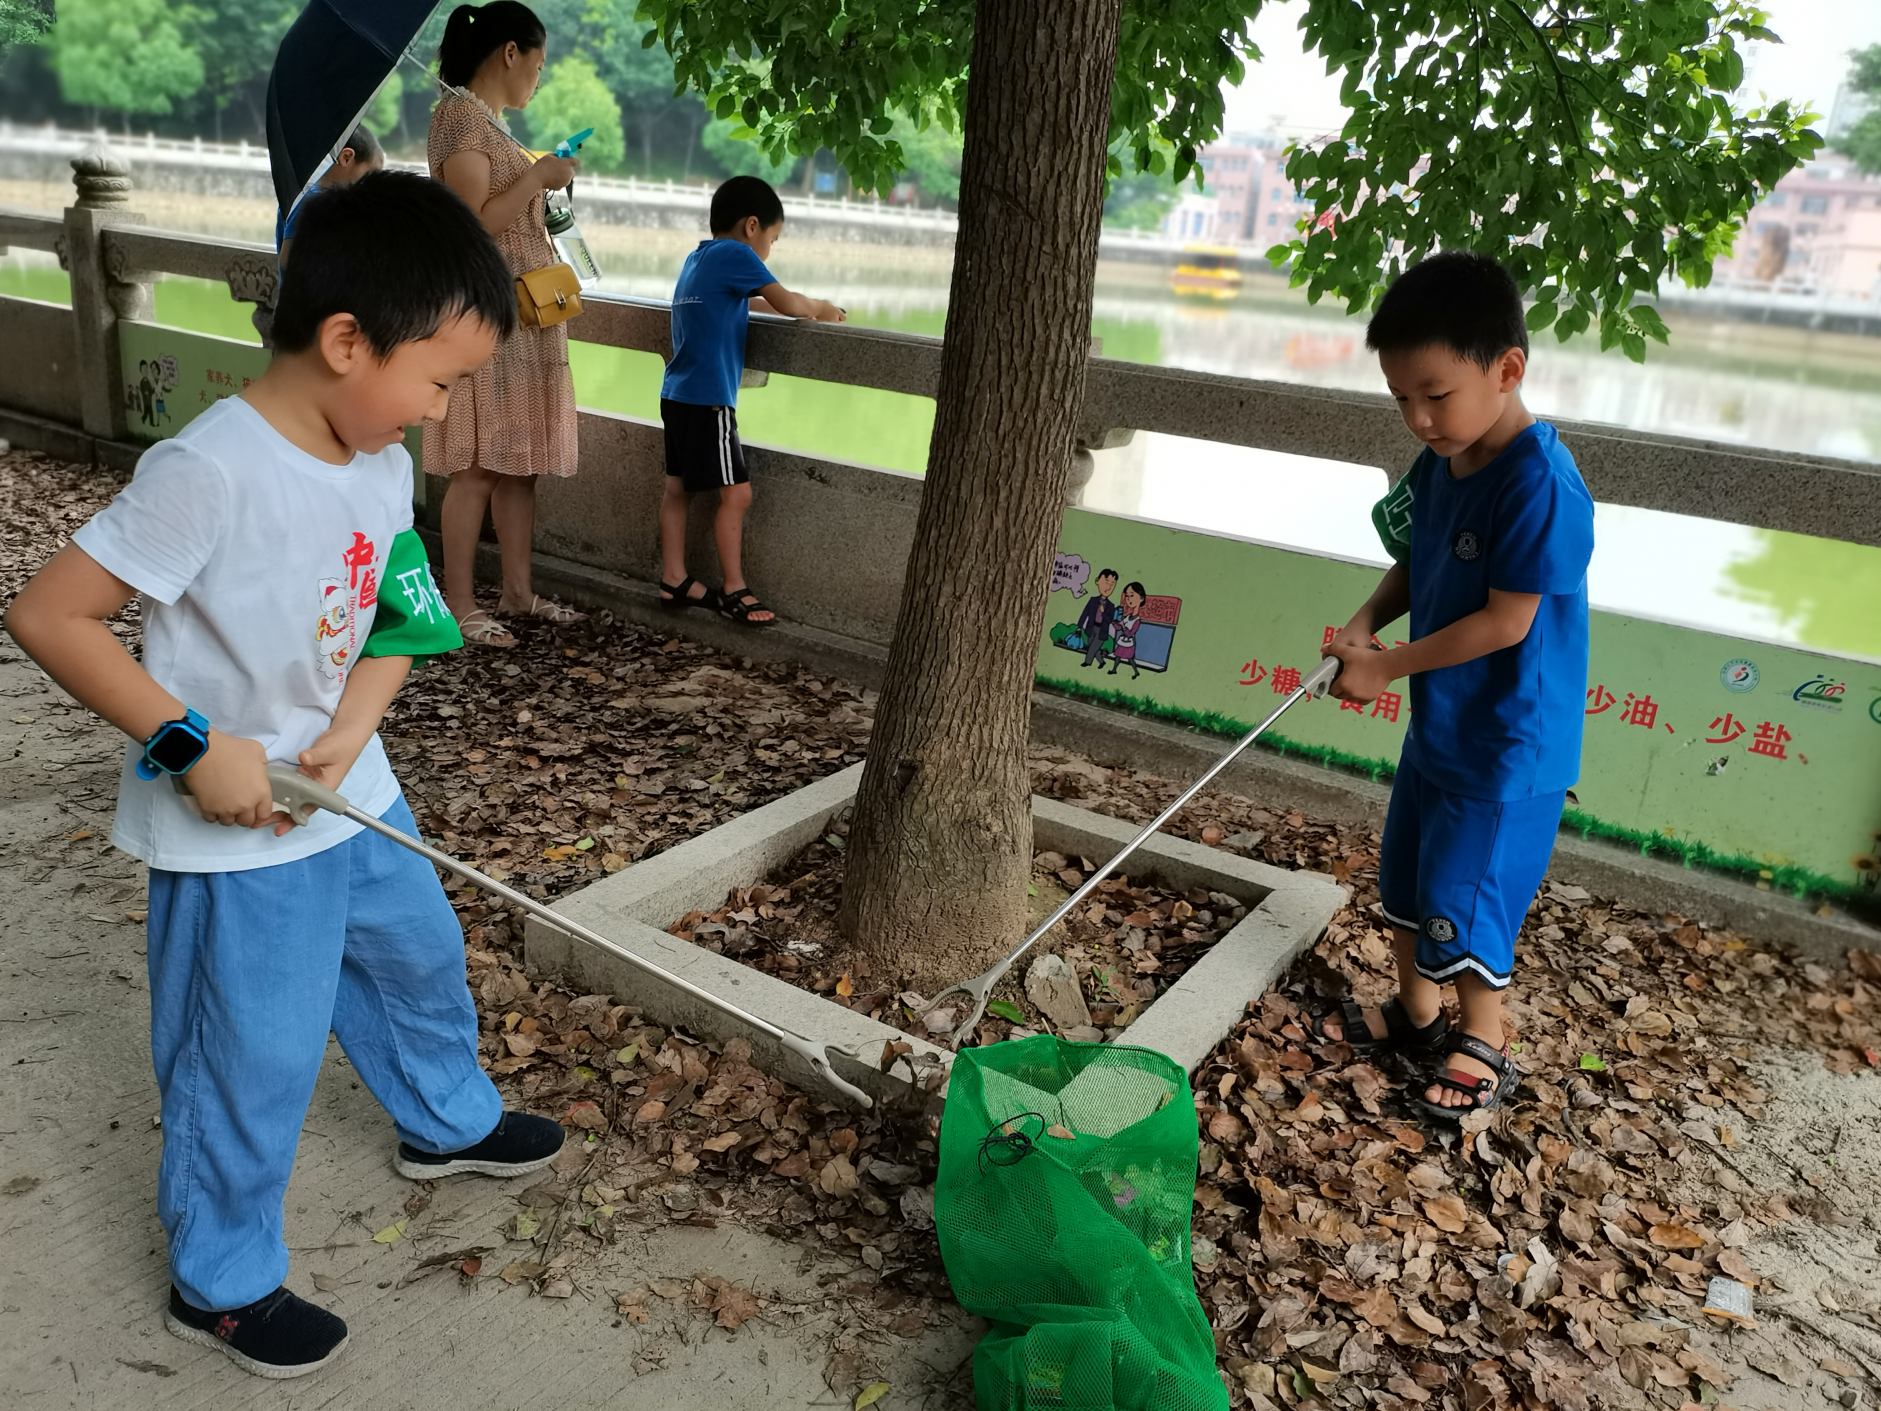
291	791
1317	681
300	797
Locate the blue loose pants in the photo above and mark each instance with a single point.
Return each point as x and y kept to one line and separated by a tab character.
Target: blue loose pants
249	971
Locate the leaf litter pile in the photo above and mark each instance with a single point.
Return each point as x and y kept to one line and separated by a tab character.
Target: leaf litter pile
1558	1253
1120	950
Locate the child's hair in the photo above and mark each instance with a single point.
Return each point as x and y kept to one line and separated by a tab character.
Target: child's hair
1457	300
474	32
1136	588
741	198
366	148
399	252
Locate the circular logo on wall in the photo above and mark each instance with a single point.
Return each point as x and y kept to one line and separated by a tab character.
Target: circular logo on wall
1440	929
1740	675
1467	546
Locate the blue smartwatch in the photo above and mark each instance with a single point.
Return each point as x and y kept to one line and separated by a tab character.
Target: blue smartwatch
174	746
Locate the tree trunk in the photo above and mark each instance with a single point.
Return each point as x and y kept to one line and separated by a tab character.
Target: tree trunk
941	845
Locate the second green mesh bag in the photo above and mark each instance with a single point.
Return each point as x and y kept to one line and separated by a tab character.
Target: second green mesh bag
1067	1173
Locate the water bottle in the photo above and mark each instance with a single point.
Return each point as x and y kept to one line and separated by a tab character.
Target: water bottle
570	248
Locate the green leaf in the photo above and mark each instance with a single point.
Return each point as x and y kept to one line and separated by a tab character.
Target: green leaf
1593	1063
870	1394
1007	1010
627	1055
391	1233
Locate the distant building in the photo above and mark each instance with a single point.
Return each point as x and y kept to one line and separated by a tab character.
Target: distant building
1818	232
1246	198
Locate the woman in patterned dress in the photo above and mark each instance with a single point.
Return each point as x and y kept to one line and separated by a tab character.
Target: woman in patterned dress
514	419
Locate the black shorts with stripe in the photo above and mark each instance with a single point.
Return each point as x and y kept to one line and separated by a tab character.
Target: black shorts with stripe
702	445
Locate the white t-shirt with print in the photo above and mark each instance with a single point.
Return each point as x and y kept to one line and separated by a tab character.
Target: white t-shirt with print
258	567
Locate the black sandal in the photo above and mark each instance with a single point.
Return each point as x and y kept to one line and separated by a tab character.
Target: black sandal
1400	1036
738	607
678	596
1486	1093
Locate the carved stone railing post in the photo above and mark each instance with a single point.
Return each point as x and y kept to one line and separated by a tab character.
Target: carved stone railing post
101	295
1083	467
253	279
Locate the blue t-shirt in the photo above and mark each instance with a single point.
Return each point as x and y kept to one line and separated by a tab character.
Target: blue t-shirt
711	311
1507	725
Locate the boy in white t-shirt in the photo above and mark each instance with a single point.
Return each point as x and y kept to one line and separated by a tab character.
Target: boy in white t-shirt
284	596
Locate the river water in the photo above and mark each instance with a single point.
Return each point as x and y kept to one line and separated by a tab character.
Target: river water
1719	380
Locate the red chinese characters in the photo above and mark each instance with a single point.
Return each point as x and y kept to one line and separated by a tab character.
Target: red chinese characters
1771	739
1599	699
1387	706
1642	711
1253	673
1725	729
1286	680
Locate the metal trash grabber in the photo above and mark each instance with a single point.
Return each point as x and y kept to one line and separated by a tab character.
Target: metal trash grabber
298	796
1313	685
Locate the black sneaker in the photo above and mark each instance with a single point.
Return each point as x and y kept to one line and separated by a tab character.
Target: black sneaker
517	1145
277	1337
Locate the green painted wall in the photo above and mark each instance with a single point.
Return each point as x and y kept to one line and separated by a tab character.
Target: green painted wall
1672	758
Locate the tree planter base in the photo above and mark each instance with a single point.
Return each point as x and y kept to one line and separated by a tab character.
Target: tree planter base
1288	911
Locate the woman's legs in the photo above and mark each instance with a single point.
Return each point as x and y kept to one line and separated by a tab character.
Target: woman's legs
513	510
460	521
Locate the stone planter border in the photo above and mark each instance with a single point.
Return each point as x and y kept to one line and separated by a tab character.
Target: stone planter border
1288	911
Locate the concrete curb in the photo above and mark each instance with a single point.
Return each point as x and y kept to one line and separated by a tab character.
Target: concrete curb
1288	912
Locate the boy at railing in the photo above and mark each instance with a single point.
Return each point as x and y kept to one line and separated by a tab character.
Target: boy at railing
720	283
1491	533
284	596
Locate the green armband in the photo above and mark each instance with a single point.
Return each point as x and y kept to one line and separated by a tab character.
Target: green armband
412	620
1391	516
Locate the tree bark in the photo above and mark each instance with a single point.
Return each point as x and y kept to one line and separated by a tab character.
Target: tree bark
941	844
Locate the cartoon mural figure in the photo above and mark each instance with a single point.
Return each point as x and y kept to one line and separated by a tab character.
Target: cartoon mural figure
146	399
146	394
1094	622
1139	631
1123	631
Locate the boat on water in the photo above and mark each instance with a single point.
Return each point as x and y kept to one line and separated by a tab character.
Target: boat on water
1206	272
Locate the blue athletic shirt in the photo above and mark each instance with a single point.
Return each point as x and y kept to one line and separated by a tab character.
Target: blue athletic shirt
1507	725
711	312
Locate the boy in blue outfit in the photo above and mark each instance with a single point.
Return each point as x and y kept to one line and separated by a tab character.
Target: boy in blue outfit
284	596
1491	533
720	283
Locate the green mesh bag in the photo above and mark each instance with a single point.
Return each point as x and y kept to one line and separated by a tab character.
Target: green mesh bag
1075	1247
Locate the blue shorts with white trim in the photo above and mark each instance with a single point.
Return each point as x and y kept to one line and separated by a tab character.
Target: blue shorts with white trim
1461	873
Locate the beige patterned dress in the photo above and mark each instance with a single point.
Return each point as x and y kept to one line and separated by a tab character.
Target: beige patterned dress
516	414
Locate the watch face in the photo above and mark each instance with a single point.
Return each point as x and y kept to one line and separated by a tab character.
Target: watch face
175	749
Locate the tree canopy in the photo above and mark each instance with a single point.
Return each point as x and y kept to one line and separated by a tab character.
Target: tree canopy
126	55
1595	148
23	21
1862	141
571	98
